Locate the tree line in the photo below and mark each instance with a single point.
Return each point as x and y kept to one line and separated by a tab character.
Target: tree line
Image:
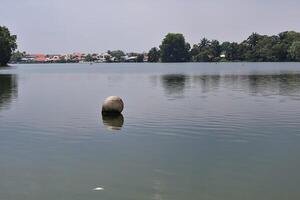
284	47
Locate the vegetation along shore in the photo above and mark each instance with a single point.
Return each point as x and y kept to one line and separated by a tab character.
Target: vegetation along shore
284	47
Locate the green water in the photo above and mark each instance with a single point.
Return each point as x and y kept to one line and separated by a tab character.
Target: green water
188	132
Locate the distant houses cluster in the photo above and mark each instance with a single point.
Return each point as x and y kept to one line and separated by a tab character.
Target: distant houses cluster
284	47
83	57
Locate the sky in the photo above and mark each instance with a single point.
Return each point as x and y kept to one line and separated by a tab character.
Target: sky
66	26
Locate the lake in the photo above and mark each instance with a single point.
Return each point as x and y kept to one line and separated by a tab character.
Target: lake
224	131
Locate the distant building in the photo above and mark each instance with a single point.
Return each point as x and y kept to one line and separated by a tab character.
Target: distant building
103	57
76	57
34	58
53	58
129	58
81	57
40	58
28	58
146	58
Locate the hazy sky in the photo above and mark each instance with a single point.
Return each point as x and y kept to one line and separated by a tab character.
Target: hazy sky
65	26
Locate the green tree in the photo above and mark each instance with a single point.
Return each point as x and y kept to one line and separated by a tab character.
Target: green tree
200	52
232	51
154	55
294	51
88	58
7	45
203	56
286	40
117	54
289	37
215	50
280	51
253	39
206	51
174	48
249	47
17	56
204	44
140	58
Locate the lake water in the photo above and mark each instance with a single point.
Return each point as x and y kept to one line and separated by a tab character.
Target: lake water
227	131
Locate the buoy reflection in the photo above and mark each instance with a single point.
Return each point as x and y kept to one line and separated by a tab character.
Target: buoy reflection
113	122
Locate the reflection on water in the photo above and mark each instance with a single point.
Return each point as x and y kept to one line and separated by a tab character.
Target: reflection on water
207	82
113	122
255	84
174	84
224	140
8	89
279	84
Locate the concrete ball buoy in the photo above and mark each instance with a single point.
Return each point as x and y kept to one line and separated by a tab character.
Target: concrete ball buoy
112	105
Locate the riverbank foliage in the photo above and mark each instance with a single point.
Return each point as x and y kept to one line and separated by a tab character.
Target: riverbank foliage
7	45
284	47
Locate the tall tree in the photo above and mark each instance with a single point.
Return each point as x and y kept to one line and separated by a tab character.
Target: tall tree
154	55
231	51
215	49
294	51
206	51
174	48
117	54
7	45
17	56
88	58
140	58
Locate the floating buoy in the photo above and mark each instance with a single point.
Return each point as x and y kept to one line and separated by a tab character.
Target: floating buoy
112	105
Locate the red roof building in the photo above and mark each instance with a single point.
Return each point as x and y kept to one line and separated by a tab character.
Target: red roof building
40	57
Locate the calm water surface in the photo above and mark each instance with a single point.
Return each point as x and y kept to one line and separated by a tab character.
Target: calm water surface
188	132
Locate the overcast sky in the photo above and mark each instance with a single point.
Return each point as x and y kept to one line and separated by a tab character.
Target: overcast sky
65	26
